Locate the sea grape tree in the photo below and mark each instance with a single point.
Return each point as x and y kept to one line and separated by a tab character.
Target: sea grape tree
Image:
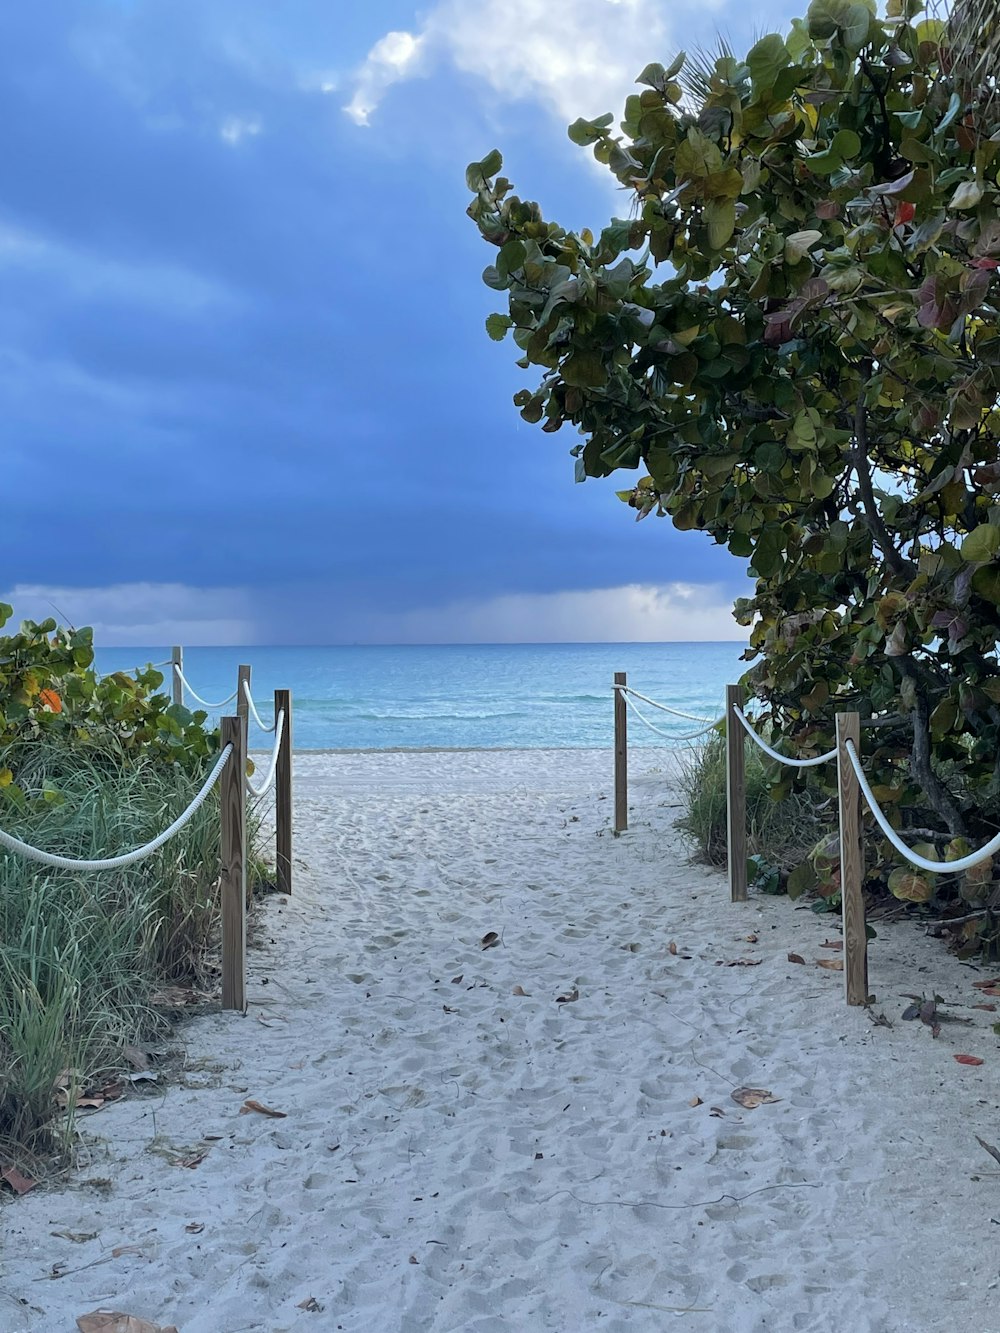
793	338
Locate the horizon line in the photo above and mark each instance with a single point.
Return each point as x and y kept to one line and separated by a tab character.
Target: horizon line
519	643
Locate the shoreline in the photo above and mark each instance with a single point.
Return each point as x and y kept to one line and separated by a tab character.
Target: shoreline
298	752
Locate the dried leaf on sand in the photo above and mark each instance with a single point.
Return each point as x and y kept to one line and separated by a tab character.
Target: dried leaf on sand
251	1104
18	1183
752	1097
113	1321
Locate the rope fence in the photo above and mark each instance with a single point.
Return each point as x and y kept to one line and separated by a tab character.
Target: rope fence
853	789
230	772
125	858
278	728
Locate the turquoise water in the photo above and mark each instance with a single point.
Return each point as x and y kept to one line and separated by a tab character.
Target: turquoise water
466	696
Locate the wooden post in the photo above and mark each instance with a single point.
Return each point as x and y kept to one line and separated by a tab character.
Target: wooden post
621	757
242	707
176	664
283	795
232	800
852	863
736	797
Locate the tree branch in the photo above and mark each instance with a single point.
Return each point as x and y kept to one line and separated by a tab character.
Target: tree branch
941	800
870	511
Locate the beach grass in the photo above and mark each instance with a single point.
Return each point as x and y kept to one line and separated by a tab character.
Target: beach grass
779	833
84	952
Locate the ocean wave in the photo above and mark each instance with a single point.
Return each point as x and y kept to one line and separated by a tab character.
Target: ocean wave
443	715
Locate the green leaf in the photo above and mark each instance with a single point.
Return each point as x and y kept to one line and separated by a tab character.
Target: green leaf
720	218
768	554
986	584
799	243
981	544
844	144
511	257
801	879
585	132
824	17
967	195
765	61
477	173
497	326
585	369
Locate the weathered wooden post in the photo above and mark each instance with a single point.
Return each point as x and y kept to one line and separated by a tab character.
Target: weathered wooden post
621	756
232	801
283	795
852	863
736	797
242	689
176	667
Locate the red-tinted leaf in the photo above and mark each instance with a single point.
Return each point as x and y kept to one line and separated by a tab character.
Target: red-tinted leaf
968	1059
18	1183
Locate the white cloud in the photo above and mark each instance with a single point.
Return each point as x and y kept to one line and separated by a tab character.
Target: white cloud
576	57
635	613
394	57
235	129
144	614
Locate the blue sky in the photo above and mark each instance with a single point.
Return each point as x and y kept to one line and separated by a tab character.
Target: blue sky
245	387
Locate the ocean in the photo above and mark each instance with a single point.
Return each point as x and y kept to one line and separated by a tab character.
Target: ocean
480	696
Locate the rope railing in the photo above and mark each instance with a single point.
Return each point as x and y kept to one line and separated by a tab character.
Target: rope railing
669	736
625	701
774	754
666	708
955	867
279	728
253	709
125	858
197	697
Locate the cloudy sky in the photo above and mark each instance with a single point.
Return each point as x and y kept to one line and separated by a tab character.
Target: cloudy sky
245	389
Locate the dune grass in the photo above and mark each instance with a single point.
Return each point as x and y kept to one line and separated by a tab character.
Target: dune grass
779	833
82	953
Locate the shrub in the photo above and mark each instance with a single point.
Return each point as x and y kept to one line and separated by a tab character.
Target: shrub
91	766
780	833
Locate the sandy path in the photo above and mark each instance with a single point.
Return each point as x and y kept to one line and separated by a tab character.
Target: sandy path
460	1157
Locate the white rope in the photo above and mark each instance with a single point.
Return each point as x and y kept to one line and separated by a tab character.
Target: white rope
935	867
126	858
253	709
691	717
197	697
279	727
782	759
666	734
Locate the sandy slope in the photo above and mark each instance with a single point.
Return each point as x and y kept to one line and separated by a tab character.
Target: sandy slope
457	1156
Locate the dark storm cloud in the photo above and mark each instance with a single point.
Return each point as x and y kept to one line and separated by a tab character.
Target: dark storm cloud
241	337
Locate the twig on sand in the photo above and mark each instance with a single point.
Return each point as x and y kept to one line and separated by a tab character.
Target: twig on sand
701	1203
667	1309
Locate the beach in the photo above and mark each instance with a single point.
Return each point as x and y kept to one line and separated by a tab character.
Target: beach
505	1044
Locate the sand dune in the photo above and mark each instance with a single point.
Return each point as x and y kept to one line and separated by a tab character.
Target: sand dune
541	1134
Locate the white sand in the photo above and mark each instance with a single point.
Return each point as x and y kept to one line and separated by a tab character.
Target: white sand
458	1157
